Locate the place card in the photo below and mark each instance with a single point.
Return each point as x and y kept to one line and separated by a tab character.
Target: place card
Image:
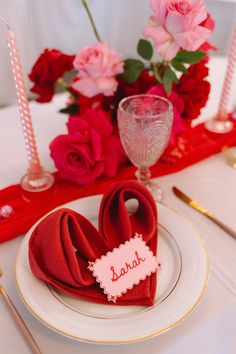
123	267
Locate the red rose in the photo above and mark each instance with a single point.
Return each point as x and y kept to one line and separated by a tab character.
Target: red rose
90	150
142	85
50	66
194	89
106	103
94	102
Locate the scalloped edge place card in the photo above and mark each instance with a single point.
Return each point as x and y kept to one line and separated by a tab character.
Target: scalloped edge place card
123	267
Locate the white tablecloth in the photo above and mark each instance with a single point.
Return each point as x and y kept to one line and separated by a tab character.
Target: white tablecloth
211	327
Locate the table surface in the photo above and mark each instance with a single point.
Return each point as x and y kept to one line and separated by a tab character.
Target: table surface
211	327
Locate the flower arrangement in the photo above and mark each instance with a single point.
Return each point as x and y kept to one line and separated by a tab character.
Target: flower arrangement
179	31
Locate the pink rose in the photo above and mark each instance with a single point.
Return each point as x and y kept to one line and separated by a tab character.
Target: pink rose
97	67
178	107
177	24
90	150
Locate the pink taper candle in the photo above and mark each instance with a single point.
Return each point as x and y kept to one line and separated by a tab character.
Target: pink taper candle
223	105
26	120
36	179
220	123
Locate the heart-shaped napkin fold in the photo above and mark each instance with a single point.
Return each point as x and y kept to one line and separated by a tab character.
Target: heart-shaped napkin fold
62	244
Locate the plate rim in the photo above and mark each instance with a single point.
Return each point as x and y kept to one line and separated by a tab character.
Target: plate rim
134	339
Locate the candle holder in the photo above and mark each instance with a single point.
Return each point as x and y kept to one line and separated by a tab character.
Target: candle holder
37	182
220	123
36	179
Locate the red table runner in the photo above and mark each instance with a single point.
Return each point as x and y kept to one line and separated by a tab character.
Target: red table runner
190	147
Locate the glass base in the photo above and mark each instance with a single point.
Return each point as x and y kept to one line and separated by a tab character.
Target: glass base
155	191
219	126
37	183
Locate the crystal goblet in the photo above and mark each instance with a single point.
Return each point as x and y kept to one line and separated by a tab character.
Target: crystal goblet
145	123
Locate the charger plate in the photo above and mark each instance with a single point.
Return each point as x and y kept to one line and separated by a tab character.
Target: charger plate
181	283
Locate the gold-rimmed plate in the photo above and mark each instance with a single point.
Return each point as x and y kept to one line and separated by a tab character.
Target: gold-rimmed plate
181	283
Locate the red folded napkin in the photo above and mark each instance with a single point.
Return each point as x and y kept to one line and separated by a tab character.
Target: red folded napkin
63	243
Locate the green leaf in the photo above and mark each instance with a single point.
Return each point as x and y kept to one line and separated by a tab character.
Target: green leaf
132	70
178	65
71	109
145	49
190	57
168	79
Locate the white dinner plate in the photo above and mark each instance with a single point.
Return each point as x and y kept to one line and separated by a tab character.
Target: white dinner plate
181	283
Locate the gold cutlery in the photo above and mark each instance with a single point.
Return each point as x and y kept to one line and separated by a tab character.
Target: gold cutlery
230	157
192	203
19	321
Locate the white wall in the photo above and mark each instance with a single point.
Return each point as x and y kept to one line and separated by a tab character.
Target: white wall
224	14
63	24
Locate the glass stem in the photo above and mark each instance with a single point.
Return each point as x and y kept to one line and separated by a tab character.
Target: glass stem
143	175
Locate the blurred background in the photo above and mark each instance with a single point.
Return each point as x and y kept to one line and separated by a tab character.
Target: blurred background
64	25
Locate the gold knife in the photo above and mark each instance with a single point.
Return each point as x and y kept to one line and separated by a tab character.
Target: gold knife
192	203
230	157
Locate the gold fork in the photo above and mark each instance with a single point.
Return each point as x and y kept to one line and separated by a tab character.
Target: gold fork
19	321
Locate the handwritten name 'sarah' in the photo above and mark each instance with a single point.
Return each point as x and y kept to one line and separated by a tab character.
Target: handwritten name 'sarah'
128	266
